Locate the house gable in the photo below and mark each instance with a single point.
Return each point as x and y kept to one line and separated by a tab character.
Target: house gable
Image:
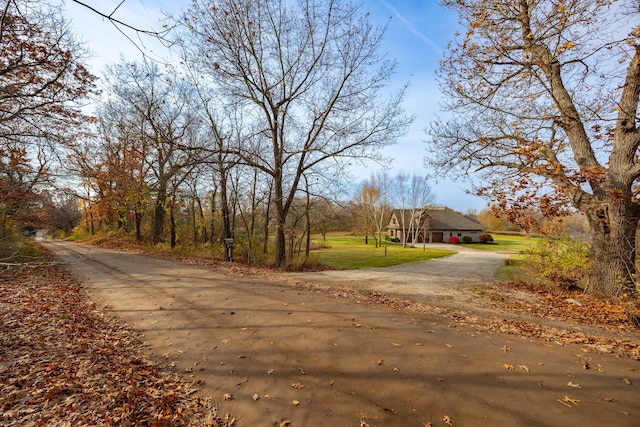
439	222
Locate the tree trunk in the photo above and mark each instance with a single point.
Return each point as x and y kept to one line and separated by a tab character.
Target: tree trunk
158	219
613	227
281	255
224	205
307	249
203	223
194	225
281	218
213	214
172	219
307	216
138	217
267	220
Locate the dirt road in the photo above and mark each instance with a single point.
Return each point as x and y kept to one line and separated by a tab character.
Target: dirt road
269	352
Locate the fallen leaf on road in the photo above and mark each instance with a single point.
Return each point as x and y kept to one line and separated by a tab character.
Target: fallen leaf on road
255	396
627	380
568	401
270	372
284	423
302	371
393	411
227	396
395	344
296	402
447	420
379	362
505	348
507	366
297	385
609	399
524	368
574	385
584	363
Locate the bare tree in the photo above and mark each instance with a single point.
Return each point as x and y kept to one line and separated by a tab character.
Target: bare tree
544	96
400	191
131	30
374	197
367	197
419	195
220	127
158	104
309	74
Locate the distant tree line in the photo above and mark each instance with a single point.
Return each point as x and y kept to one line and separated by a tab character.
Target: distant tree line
246	138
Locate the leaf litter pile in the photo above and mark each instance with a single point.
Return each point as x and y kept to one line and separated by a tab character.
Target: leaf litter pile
63	361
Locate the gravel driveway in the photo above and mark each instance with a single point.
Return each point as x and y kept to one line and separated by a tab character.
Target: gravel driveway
446	278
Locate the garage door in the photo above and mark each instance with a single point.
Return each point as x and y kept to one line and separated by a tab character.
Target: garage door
436	237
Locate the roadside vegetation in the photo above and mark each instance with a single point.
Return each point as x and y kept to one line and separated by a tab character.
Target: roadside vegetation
16	250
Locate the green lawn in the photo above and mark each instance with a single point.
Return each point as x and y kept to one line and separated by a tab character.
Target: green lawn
351	252
505	243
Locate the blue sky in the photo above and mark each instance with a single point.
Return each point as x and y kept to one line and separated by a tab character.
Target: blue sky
418	34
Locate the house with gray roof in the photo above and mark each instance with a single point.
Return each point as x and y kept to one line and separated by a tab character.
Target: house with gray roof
432	225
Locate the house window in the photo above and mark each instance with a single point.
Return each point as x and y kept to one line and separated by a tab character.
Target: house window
393	221
459	234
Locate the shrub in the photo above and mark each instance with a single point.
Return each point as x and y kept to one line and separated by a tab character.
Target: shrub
559	262
454	240
486	238
467	239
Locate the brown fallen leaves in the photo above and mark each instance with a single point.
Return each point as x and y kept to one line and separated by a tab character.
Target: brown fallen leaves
567	304
64	362
569	401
